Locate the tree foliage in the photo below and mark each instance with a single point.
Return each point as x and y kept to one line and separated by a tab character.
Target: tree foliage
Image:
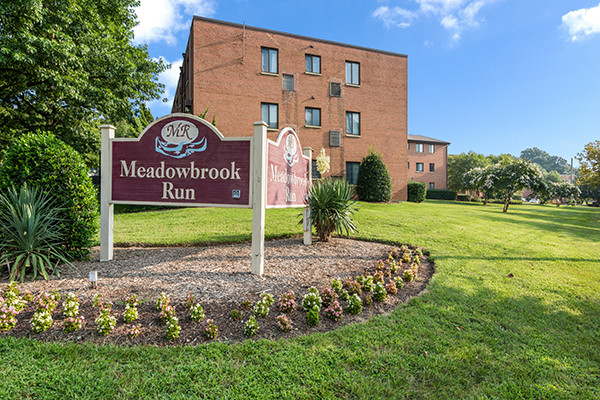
374	183
548	162
460	164
66	64
589	169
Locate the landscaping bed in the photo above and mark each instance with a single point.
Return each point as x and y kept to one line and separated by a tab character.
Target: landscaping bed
219	277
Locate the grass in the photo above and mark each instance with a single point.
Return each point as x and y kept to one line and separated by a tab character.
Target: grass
475	333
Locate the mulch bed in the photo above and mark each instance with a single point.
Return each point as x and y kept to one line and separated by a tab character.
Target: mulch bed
220	279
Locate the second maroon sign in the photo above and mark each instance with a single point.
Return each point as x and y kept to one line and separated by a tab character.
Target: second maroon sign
288	178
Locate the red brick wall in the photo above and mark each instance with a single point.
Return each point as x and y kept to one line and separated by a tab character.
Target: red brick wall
439	158
227	78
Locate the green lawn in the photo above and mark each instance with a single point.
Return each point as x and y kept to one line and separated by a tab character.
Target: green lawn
475	333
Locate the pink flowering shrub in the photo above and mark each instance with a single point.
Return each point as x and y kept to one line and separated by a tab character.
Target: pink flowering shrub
105	322
284	323
131	313
391	288
352	286
328	296
72	324
134	331
287	302
211	331
8	316
73	321
334	311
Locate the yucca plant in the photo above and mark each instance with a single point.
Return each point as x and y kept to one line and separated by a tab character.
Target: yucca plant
30	238
331	208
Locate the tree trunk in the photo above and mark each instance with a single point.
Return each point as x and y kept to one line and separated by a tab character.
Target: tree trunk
506	203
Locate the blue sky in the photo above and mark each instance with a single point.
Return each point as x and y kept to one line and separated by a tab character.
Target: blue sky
492	76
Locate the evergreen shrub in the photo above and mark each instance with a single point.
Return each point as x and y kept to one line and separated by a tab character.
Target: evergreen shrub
440	194
43	161
374	183
416	191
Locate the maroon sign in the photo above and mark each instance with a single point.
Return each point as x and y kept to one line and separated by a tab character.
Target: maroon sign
181	160
287	171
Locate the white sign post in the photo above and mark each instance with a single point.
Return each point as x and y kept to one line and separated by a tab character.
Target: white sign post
106	206
259	196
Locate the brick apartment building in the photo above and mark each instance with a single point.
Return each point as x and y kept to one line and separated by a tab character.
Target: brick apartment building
428	161
336	96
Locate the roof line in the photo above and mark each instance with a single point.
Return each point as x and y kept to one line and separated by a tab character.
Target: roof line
216	21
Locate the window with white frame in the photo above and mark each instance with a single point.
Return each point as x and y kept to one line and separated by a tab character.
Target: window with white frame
431	167
419	167
352	123
431	148
419	147
312	116
431	185
269	114
269	60
352	73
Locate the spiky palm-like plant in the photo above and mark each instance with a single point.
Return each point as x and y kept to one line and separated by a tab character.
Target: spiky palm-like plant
331	208
30	238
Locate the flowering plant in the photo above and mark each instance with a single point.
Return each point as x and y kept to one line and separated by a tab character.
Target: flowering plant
189	300
336	285
211	331
13	298
328	296
379	292
284	323
267	298
134	331
366	281
41	320
106	322
368	299
96	300
71	305
391	288
344	295
352	286
378	277
406	256
408	275
354	304
399	282
312	300
323	162
167	313
251	327
287	302
131	312
334	311
393	267
72	324
8	315
162	301
380	265
173	328
196	312
261	309
47	301
236	314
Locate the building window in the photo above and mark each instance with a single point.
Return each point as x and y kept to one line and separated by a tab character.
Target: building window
408	165
288	82
269	114
431	148
407	145
352	73
419	147
431	167
431	185
313	64
269	60
352	123
315	172
312	116
352	172
419	167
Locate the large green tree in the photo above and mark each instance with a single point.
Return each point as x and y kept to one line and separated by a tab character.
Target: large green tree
589	169
66	64
509	177
460	164
546	161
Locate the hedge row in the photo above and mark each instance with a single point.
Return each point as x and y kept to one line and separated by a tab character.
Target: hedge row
440	194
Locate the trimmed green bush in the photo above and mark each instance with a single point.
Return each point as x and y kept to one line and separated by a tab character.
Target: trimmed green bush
440	194
416	191
374	183
43	161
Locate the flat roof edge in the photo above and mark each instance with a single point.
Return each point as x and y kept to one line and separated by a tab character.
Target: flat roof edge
216	21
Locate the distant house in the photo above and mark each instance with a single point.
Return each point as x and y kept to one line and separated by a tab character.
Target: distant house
428	161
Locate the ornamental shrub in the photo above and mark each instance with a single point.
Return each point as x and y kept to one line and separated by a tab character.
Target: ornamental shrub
374	183
334	312
416	191
251	327
312	317
440	194
354	304
312	300
43	161
331	208
284	323
379	292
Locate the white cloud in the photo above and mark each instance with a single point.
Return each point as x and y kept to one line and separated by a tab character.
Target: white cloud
582	23
396	16
160	20
169	78
455	16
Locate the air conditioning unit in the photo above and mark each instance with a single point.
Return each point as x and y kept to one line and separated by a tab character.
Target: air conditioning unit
335	139
335	89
